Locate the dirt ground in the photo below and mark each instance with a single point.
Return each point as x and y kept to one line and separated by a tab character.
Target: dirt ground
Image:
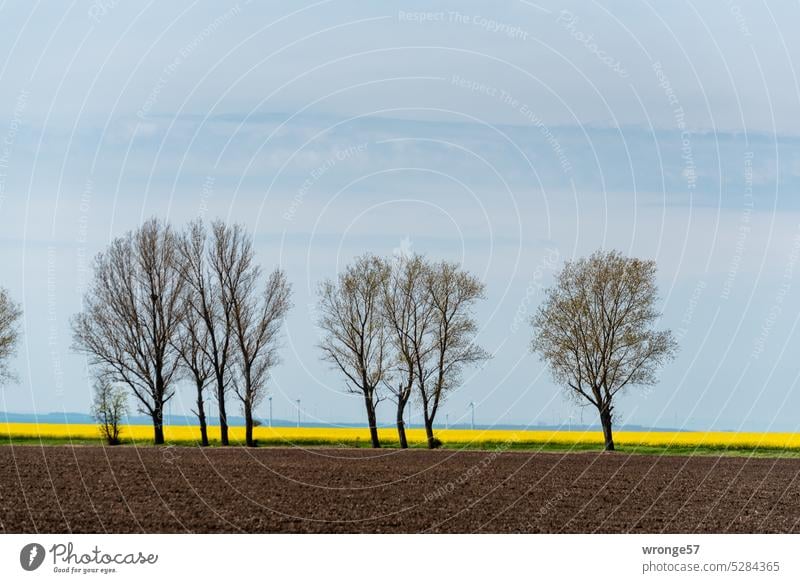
180	489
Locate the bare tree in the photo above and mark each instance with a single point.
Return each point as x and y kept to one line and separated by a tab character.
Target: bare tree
131	317
10	314
355	339
109	406
595	330
258	318
192	345
452	293
408	313
212	269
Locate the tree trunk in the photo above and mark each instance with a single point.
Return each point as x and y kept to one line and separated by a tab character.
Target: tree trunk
248	424
605	421
158	424
373	423
223	418
158	410
201	416
401	424
429	431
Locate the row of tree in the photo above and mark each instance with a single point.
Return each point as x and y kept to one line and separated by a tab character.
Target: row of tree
401	327
165	306
407	325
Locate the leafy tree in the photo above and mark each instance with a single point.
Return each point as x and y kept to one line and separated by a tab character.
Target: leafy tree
595	330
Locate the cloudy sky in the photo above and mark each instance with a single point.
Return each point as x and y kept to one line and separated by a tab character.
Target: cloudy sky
510	136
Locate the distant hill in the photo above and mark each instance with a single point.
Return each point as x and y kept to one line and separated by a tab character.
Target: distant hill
79	418
82	418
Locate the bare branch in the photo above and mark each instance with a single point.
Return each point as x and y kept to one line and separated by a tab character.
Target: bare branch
355	339
132	316
10	314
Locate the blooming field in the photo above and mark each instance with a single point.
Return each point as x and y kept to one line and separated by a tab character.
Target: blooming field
464	437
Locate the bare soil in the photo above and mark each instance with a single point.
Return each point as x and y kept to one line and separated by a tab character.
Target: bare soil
182	489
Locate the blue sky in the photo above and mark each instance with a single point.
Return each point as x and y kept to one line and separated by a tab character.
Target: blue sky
507	135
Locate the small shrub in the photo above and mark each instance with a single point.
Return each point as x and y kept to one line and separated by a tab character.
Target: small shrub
109	406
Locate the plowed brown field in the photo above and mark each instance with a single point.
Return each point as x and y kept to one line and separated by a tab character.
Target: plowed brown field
182	489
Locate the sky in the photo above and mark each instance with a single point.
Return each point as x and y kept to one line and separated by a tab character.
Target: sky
510	136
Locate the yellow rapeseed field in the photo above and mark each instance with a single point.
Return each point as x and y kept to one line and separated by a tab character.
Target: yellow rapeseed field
477	438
